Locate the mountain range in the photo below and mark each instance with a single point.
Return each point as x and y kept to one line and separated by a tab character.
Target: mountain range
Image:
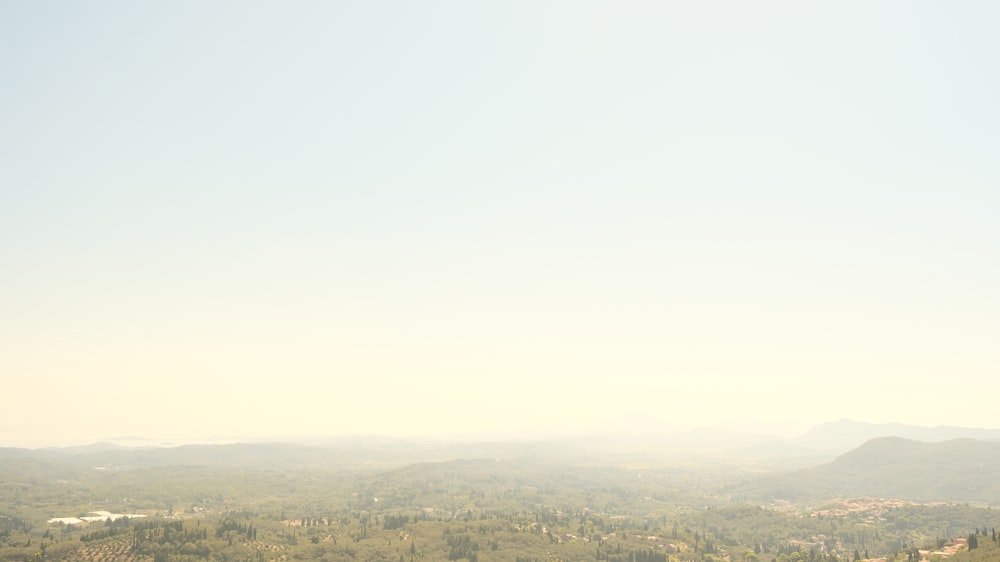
845	434
836	460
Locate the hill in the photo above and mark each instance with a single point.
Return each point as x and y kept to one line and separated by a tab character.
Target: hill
844	435
959	470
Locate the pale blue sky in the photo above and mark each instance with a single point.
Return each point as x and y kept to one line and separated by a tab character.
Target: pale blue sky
247	218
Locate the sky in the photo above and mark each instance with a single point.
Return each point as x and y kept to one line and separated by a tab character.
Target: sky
414	218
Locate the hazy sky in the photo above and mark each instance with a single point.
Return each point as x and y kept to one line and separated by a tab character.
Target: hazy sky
284	218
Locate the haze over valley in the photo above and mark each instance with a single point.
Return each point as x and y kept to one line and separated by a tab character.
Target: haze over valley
700	495
499	281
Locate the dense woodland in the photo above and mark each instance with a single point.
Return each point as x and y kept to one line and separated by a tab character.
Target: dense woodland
267	503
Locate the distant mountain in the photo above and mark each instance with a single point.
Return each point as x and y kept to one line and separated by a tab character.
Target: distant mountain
648	446
959	470
844	435
109	455
354	453
94	448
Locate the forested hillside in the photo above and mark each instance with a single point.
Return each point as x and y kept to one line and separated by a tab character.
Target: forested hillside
263	503
962	470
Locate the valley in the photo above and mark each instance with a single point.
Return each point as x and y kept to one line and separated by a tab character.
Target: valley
492	501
